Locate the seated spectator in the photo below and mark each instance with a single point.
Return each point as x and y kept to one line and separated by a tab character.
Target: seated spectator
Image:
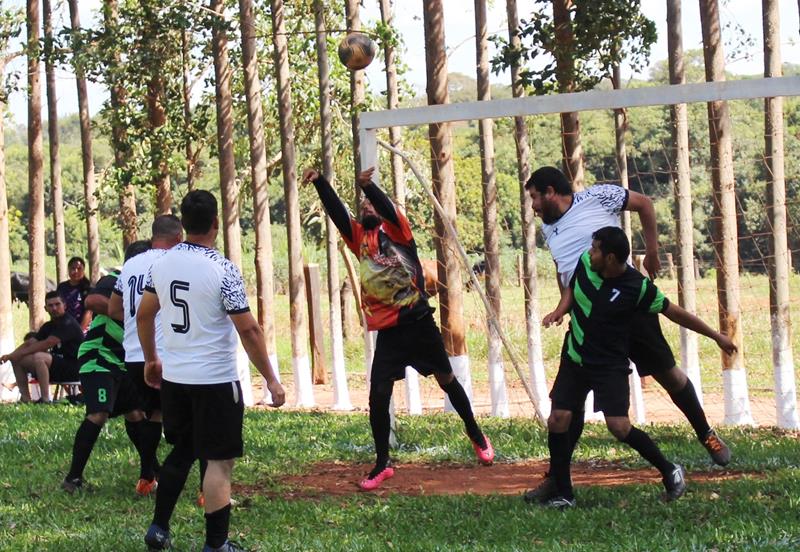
51	354
74	292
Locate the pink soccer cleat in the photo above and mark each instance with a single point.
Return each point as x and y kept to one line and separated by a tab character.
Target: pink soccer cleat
372	483
485	455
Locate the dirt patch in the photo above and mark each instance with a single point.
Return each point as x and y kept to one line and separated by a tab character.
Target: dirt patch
340	479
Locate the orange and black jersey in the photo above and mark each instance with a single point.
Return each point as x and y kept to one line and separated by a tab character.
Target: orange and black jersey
602	314
392	283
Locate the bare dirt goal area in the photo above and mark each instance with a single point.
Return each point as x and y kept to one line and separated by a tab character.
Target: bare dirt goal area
341	479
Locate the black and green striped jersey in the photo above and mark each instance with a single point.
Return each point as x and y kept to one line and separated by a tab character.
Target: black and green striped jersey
602	314
101	350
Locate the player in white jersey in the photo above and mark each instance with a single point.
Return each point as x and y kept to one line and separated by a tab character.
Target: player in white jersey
569	220
167	231
203	305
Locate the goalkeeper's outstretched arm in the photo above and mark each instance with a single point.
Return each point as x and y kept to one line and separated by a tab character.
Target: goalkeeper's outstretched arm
330	201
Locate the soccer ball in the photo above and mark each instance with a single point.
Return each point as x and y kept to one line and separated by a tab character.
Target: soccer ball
356	51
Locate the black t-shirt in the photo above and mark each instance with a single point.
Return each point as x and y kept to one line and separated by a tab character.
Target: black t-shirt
602	314
68	331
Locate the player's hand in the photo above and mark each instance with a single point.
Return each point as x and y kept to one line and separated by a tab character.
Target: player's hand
726	344
652	264
152	373
365	177
552	318
310	175
277	392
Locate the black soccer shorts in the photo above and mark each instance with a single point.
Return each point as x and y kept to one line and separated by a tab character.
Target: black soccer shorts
573	383
649	349
111	393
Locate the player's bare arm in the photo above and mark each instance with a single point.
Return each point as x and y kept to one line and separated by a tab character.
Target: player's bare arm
97	303
564	304
688	320
253	342
146	328
643	205
365	177
116	310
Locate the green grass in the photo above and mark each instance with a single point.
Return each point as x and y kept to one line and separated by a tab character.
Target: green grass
749	513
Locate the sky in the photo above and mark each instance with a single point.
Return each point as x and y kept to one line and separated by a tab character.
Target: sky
459	36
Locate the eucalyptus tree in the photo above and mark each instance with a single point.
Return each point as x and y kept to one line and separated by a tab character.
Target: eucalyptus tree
56	190
390	39
725	231
36	245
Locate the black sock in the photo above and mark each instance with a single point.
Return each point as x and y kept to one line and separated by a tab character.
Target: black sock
217	524
85	438
686	399
380	395
560	457
172	478
575	429
149	439
134	431
460	401
645	446
202	465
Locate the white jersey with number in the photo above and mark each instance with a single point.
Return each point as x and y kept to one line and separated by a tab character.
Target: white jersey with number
571	235
130	286
198	289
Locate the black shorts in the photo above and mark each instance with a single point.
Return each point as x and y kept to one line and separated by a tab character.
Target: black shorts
63	369
418	344
149	397
107	392
573	382
649	349
207	418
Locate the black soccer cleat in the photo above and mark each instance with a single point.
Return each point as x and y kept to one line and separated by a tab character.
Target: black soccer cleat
543	492
717	449
227	546
72	485
157	538
675	483
559	503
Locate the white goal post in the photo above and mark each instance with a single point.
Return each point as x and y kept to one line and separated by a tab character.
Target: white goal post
371	122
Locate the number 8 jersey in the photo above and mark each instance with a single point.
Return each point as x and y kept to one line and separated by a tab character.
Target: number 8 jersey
130	286
197	289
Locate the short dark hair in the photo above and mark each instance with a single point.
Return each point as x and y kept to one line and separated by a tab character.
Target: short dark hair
166	226
137	247
198	211
613	240
77	260
52	295
549	176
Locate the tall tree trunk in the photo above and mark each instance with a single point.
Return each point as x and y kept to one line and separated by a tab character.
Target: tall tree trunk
299	330
491	235
56	190
395	138
187	110
89	185
620	126
229	189
258	176
36	246
119	139
726	247
570	122
684	225
6	320
530	280
779	298
450	296
351	10
341	397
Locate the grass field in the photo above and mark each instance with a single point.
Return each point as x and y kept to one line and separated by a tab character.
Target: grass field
758	511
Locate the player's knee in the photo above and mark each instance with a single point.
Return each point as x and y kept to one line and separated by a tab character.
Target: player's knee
134	416
380	394
619	427
444	380
558	421
98	418
672	380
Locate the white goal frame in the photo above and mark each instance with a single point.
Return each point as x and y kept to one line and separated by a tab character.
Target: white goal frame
371	122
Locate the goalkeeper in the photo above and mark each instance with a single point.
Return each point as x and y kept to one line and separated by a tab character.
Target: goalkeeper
396	306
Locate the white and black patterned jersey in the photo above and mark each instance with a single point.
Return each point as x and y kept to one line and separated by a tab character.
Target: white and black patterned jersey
130	286
571	235
197	289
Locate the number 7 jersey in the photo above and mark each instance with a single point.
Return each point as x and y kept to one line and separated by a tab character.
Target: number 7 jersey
197	289
130	286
